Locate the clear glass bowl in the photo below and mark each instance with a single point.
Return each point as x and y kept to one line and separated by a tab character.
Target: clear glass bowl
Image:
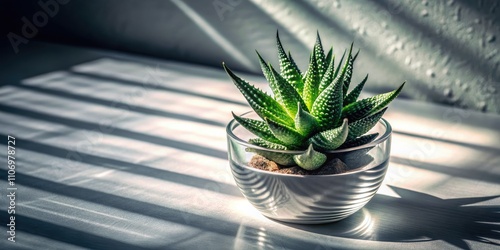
310	199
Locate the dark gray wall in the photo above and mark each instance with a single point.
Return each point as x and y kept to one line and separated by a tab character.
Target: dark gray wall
447	51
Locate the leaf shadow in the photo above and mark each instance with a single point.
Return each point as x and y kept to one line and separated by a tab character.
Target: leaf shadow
418	216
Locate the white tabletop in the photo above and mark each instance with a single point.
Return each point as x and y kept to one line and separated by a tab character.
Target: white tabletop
122	152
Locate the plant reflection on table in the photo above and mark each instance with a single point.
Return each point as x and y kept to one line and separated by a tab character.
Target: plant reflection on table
413	217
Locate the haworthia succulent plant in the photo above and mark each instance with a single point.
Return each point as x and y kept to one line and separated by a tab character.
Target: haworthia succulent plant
312	111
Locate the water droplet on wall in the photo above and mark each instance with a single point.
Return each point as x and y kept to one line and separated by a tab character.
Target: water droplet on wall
465	86
424	13
490	38
457	15
430	73
447	92
417	65
469	30
446	59
391	49
362	31
408	60
393	39
322	5
400	45
482	106
336	4
491	54
454	100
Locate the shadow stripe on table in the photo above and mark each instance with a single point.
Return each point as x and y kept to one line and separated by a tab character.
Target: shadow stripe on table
70	235
164	88
466	173
121	105
161	212
189	147
105	162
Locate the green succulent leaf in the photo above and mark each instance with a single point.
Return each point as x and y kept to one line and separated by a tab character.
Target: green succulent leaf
340	78
267	144
310	108
320	56
305	123
371	105
258	128
328	106
328	76
311	159
290	97
294	64
287	135
362	126
347	71
289	69
331	139
312	82
280	158
383	100
270	79
355	56
362	140
357	110
340	64
329	57
263	104
354	94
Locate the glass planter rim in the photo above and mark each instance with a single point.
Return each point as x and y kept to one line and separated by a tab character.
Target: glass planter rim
381	138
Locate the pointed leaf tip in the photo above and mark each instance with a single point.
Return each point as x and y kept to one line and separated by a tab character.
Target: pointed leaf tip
363	125
289	70
311	159
263	104
327	107
257	127
287	135
331	139
354	94
288	95
305	123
